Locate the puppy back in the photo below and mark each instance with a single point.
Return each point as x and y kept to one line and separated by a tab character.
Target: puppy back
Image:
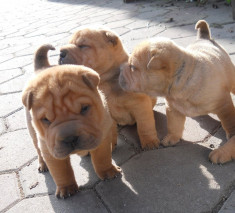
203	30
40	57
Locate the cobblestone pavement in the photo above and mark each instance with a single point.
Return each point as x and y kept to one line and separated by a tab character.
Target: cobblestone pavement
178	179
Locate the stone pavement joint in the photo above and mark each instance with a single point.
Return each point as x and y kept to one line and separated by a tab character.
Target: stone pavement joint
175	179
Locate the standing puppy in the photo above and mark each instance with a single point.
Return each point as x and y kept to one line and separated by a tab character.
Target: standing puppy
102	50
69	115
195	81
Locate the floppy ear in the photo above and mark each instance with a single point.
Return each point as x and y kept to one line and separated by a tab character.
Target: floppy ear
91	79
27	99
155	63
111	37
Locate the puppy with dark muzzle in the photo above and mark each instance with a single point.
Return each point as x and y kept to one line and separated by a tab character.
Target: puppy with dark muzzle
196	80
102	50
69	115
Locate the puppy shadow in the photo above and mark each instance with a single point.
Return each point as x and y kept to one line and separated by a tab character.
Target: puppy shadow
179	178
196	130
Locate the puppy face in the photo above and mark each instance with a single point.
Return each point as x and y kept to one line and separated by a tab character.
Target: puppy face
149	68
66	109
94	48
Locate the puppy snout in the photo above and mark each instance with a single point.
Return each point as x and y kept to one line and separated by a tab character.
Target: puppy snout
71	141
63	54
122	81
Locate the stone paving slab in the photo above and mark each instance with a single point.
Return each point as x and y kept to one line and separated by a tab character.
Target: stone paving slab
17	121
178	179
8	188
15	150
83	202
229	205
9	74
10	103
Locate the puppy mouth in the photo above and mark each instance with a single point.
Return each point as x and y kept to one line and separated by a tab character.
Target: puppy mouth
72	144
122	82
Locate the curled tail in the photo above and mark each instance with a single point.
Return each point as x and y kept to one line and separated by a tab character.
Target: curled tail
40	57
203	30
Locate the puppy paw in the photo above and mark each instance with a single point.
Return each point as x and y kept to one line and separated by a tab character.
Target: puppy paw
110	173
147	145
220	156
66	191
170	140
42	167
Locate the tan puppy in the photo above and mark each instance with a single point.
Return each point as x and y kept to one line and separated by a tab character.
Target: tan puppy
69	115
195	81
40	62
102	50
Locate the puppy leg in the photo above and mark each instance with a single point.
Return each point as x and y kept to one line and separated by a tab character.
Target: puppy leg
175	127
227	116
146	125
42	167
114	136
225	153
102	160
62	173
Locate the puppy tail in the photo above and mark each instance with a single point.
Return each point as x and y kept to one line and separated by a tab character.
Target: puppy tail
203	30
40	57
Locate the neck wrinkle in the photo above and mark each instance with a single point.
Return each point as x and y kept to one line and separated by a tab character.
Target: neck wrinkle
114	70
182	75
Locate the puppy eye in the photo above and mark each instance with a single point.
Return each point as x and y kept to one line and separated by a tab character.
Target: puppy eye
45	121
82	46
133	68
84	109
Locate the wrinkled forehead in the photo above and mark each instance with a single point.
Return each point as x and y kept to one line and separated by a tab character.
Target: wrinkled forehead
140	56
87	34
57	102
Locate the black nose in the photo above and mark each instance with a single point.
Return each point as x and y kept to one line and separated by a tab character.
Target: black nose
62	57
71	141
63	54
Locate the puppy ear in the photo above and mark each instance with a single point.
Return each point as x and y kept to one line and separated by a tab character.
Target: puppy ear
155	63
111	37
91	79
27	99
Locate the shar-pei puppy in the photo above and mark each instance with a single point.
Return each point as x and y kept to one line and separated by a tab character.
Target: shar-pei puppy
102	50
69	115
195	81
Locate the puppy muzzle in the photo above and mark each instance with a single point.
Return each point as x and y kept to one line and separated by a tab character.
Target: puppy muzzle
72	136
122	81
62	57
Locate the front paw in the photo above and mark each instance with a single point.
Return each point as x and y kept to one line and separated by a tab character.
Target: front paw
170	140
66	191
220	156
147	145
110	173
42	167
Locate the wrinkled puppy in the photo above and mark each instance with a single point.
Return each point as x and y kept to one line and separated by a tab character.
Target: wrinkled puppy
195	81
102	50
40	62
70	116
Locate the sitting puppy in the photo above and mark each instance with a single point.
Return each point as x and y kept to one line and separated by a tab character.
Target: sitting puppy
102	50
195	81
70	115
